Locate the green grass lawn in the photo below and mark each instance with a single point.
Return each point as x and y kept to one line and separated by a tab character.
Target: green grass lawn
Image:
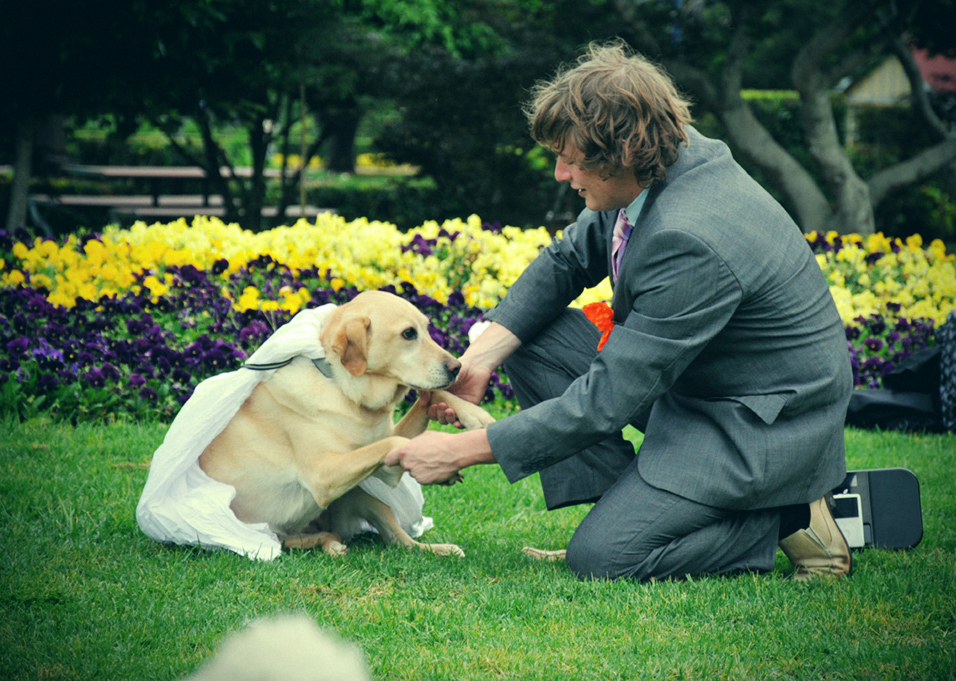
86	595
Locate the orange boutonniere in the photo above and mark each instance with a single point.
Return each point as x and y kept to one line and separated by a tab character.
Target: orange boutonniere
602	316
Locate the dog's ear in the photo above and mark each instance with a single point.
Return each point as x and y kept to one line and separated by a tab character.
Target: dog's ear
351	342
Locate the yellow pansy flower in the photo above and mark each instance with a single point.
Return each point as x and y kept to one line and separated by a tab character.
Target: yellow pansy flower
14	278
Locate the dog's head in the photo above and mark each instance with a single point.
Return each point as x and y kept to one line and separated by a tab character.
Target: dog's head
379	334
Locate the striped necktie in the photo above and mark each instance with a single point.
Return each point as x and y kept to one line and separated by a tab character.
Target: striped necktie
622	231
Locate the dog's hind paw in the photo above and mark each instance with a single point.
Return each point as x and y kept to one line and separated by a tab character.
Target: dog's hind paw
329	542
544	554
442	549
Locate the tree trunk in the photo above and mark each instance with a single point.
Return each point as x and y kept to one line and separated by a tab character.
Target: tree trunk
20	189
813	76
213	161
292	180
853	209
341	125
254	198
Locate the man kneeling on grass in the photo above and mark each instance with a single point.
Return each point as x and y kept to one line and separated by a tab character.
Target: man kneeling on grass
722	344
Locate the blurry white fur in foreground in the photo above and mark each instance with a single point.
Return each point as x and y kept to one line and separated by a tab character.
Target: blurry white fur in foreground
288	648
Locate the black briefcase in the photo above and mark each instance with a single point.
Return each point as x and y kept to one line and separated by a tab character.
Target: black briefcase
879	508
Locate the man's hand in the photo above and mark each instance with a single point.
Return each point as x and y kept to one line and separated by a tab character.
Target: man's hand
472	383
429	458
482	357
471	386
435	458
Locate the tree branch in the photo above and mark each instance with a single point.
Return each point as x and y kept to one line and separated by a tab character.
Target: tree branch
854	60
179	148
918	94
629	13
213	164
807	71
922	165
731	76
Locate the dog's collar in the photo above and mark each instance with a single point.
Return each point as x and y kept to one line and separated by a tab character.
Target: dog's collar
321	364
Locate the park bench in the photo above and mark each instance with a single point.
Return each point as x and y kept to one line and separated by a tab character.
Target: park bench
156	205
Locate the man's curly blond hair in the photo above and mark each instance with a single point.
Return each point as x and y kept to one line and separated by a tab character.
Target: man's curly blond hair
620	110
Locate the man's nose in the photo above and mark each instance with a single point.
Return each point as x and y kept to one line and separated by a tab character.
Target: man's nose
561	171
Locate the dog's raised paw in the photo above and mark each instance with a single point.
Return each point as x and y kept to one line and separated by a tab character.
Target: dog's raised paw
390	475
475	419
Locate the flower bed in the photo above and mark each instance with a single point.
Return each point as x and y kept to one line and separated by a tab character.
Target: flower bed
890	294
130	321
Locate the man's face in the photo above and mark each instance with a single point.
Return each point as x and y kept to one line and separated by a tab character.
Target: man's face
600	193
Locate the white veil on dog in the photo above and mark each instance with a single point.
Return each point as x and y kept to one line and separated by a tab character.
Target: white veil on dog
180	504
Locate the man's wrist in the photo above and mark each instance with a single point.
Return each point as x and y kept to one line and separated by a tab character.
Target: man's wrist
475	448
491	348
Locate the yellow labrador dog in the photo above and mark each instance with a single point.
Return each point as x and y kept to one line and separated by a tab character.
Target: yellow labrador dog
303	440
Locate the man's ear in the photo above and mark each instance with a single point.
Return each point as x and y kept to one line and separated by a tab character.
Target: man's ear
350	343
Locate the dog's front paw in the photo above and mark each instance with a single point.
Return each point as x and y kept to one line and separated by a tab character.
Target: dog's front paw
475	418
335	548
470	416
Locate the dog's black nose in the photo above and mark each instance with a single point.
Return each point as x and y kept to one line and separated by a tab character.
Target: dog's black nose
453	366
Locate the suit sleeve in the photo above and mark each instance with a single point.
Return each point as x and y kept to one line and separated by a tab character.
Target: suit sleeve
557	276
683	294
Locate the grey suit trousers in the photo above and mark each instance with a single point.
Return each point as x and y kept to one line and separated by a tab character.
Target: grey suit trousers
634	530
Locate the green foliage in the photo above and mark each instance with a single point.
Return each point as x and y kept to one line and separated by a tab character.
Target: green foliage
932	26
473	148
461	119
104	142
459	29
454	73
927	207
87	596
403	201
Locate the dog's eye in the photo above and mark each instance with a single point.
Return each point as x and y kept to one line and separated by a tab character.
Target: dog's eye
410	333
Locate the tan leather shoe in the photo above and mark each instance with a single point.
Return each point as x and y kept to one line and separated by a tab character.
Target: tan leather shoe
820	550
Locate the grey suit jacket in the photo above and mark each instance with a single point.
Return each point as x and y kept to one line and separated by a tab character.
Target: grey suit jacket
725	331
